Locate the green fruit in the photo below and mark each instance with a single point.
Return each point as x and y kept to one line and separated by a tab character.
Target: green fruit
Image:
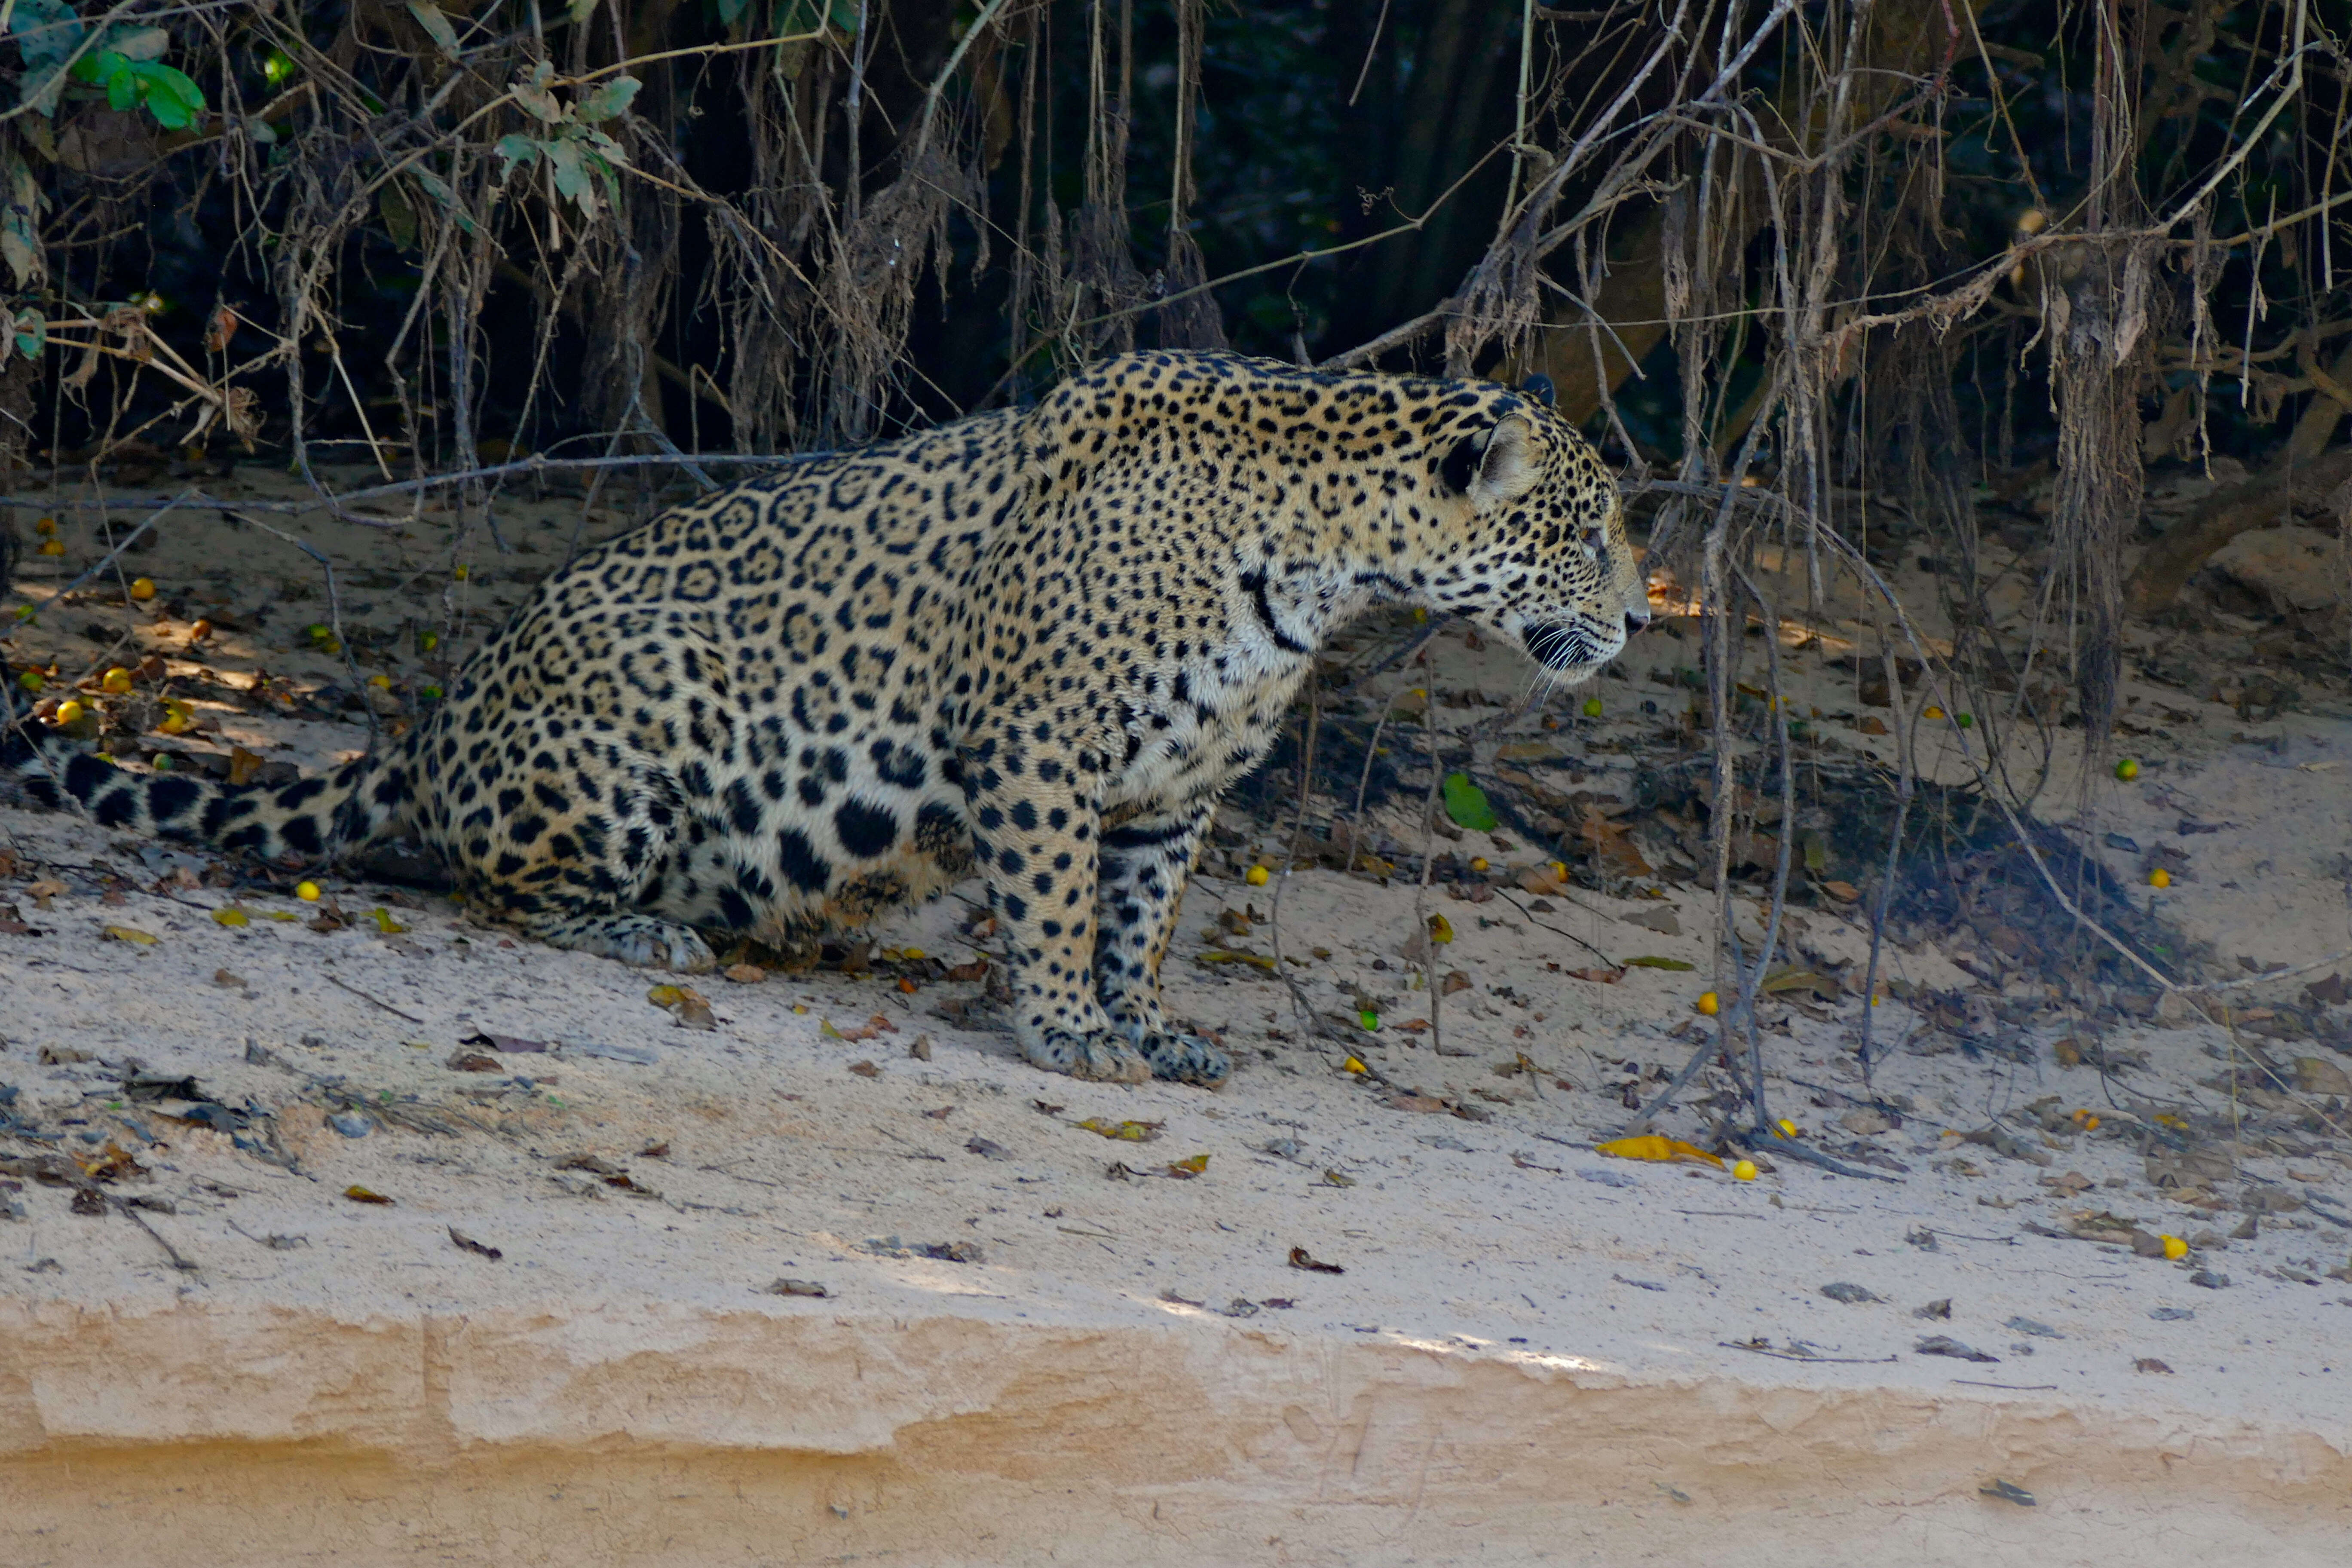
2127	770
1966	720
31	681
1592	708
430	694
1369	1019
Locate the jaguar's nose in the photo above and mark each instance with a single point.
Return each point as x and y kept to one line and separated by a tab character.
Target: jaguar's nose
1635	620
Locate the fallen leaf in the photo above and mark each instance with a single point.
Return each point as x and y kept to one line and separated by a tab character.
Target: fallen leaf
231	916
987	1150
1597	977
1654	962
1938	1310
1852	1295
1428	1104
1127	1132
744	974
2148	1363
1466	804
873	1028
684	1002
130	934
2007	1493
384	922
466	1243
472	1061
1843	892
866	1069
228	980
359	1195
1871	725
1944	1344
1338	1179
1652	1146
1301	1259
797	1287
242	765
1185	1170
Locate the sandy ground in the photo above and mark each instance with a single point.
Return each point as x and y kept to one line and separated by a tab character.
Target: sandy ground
1037	1343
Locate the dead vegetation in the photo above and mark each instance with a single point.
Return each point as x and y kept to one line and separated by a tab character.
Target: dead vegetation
2031	310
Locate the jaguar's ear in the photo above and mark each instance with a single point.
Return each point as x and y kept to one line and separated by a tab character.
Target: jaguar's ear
1494	467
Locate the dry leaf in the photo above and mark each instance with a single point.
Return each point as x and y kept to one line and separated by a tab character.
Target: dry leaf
873	1028
1185	1170
231	916
866	1069
797	1287
468	1243
1598	977
41	892
745	974
1652	1146
242	765
1127	1131
2148	1363
128	933
1301	1259
359	1195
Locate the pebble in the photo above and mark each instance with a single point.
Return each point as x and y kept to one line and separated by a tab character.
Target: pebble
351	1125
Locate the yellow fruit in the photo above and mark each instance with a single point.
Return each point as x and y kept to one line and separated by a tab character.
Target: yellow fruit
381	682
463	572
1257	876
1440	930
1478	864
144	589
2090	1124
1592	708
2127	770
911	955
306	891
46	527
115	682
69	710
1559	870
2175	1249
1931	711
1709	1003
51	547
175	724
1788	1128
1744	1171
2160	878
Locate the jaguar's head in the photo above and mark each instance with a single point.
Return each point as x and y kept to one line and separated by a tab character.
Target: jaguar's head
1536	536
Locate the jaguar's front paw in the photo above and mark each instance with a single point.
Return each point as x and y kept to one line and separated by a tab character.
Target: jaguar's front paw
1102	1056
1187	1058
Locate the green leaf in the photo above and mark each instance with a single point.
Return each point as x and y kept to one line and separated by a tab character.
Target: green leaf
611	97
516	149
581	10
1466	803
1674	963
570	175
438	188
47	32
429	17
32	333
171	96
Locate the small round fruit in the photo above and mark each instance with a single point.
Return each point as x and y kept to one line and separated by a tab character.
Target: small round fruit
1478	864
51	547
161	761
143	589
115	682
427	641
1931	712
306	891
463	572
911	955
1709	1003
68	712
1369	1019
2160	878
430	693
1592	708
1559	870
2127	770
200	631
31	681
1788	1128
2175	1249
1744	1171
1257	876
1966	720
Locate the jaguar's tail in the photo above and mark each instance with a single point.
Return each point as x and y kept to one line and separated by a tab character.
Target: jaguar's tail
311	818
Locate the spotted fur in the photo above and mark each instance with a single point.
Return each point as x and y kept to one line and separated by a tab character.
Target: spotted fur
1040	642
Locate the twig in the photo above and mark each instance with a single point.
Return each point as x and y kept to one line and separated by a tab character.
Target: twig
1799	1355
363	996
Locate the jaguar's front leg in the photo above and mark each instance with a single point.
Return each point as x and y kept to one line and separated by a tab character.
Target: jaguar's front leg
1035	839
1145	864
